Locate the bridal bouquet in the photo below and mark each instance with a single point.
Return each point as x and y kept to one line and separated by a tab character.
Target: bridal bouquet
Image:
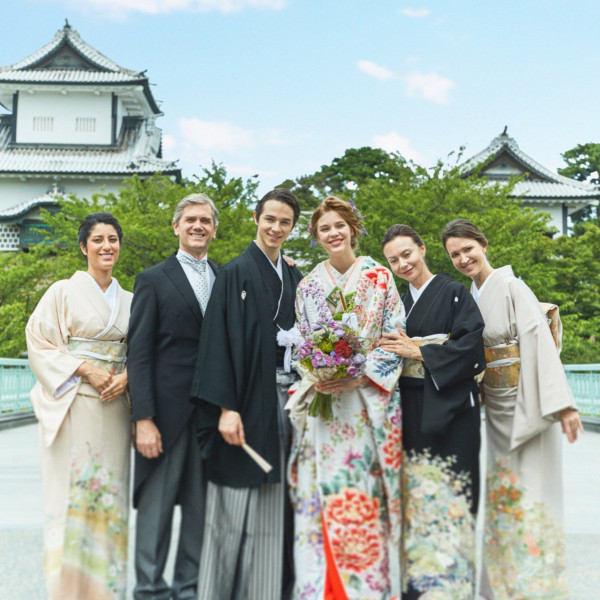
334	351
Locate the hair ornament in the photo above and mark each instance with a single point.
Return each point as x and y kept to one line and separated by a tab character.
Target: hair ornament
359	215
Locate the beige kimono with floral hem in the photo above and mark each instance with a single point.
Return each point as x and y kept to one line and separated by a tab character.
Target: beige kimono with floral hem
85	442
524	546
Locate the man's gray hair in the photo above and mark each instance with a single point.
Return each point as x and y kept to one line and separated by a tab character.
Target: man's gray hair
196	199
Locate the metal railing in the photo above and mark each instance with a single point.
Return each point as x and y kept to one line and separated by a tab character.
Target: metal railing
16	380
584	381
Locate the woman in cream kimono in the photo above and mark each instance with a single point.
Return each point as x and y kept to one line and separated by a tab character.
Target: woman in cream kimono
345	471
75	341
526	396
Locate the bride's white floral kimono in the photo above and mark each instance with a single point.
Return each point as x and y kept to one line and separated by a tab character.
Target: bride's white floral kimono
85	442
345	473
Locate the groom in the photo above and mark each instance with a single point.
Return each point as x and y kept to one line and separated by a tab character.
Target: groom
241	387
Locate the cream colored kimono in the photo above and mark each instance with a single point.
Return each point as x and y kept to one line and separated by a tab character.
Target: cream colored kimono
524	547
85	442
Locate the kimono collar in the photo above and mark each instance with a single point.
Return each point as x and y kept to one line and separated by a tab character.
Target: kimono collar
476	292
416	293
278	267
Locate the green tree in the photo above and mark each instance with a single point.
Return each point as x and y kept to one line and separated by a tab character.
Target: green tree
145	211
583	164
346	174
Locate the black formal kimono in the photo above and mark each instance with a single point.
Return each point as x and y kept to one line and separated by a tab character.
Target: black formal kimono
237	360
247	547
441	439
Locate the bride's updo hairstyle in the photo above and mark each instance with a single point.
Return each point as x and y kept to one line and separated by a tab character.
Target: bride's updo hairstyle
345	210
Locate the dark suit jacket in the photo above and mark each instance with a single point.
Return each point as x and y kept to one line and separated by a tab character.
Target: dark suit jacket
164	330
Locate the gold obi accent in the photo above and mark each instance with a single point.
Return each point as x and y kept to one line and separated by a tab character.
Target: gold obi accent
412	367
503	365
107	355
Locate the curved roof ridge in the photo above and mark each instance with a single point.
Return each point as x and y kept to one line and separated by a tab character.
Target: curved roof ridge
504	141
69	36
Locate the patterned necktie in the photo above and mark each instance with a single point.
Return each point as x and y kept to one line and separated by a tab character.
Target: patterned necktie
201	283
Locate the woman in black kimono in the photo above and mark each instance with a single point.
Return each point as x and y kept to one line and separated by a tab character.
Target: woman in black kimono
443	352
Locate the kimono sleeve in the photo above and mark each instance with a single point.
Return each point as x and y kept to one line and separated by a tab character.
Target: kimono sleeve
543	389
47	335
384	368
461	357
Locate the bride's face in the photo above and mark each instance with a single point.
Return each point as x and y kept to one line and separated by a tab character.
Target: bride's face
334	234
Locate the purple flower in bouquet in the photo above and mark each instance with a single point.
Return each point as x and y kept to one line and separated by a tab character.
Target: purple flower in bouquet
333	351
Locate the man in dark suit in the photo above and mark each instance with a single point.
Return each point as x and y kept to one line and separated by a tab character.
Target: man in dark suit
166	318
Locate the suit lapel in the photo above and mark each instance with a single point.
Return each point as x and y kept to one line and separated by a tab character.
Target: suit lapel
175	273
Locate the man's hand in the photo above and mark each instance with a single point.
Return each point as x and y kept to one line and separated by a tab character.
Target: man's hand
231	427
148	440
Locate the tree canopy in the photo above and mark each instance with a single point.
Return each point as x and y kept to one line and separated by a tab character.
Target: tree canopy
386	189
144	210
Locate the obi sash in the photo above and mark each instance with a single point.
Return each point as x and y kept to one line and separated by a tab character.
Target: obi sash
411	367
503	364
107	355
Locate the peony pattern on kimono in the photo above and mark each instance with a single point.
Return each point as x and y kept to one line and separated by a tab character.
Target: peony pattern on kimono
524	544
439	545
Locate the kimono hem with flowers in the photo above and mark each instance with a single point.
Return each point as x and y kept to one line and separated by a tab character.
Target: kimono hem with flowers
345	472
524	545
85	442
441	441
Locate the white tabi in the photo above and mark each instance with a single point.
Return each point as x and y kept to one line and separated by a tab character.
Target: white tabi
524	546
85	443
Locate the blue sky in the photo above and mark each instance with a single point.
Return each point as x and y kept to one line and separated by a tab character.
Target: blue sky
281	87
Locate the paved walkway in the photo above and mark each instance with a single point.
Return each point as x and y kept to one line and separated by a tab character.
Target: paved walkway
21	575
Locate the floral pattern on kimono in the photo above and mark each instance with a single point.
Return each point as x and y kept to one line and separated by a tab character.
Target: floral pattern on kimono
345	472
86	442
525	546
439	545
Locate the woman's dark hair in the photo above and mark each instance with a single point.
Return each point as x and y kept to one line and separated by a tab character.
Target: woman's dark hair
401	231
281	195
85	229
462	228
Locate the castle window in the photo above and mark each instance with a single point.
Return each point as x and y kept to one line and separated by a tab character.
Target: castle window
43	123
85	124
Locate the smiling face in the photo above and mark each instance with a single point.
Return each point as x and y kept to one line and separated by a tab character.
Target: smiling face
101	248
334	234
274	224
469	257
195	229
407	260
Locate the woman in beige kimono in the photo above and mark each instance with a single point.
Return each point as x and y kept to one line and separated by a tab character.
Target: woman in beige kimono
526	396
76	345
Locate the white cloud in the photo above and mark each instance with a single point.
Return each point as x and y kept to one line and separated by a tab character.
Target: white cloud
394	142
429	86
374	70
120	8
168	144
416	13
214	135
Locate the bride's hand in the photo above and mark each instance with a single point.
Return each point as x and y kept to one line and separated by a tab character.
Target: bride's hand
332	386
